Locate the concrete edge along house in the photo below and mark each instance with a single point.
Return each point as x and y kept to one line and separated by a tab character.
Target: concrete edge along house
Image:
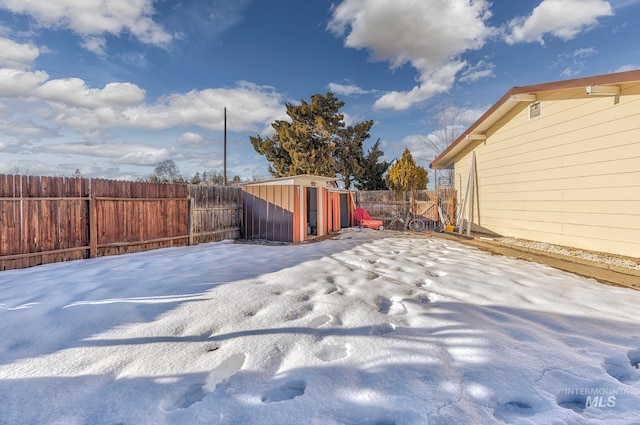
557	163
295	209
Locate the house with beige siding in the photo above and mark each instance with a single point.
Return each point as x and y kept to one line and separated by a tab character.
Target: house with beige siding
557	162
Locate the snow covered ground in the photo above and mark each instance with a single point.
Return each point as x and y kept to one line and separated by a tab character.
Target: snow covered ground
368	328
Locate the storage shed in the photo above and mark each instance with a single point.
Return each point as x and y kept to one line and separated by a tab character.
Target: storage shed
295	209
557	163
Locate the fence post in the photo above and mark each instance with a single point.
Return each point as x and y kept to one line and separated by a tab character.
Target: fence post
93	227
190	212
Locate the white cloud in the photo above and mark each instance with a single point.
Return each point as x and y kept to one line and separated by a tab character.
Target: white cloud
74	93
419	147
627	68
121	153
191	139
437	82
97	45
477	72
581	53
413	33
24	129
424	148
350	120
93	18
247	105
16	55
564	19
573	63
346	89
470	115
16	83
70	103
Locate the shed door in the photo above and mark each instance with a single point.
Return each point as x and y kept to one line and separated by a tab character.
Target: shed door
312	211
344	210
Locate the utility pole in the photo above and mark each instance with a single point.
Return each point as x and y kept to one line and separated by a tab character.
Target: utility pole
224	175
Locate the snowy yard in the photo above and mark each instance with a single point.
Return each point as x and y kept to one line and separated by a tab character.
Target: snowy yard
368	328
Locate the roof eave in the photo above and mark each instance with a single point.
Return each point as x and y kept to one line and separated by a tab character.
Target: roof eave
510	100
493	114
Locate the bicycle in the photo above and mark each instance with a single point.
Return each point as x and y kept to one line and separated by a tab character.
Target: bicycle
408	221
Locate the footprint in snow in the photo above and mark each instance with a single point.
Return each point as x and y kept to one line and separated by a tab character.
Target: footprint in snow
332	352
424	299
393	306
382	329
319	321
334	290
512	410
287	391
576	402
298	313
384	304
197	392
624	368
634	358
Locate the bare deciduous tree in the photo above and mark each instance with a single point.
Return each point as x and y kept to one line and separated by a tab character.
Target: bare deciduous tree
447	124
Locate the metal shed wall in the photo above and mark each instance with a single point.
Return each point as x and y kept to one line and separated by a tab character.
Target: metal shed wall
270	213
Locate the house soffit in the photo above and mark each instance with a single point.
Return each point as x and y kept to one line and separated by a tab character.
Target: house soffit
514	97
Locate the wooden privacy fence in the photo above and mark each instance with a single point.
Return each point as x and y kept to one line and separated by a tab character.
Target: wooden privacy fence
385	204
216	213
51	219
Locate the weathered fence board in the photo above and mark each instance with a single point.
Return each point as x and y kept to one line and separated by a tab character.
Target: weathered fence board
216	213
138	216
41	220
52	219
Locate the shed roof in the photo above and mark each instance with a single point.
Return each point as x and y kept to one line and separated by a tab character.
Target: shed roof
300	179
527	93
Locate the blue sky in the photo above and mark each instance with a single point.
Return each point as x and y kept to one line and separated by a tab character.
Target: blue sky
113	88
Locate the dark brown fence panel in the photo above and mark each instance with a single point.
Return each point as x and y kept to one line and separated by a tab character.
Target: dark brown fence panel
216	213
42	220
52	219
137	216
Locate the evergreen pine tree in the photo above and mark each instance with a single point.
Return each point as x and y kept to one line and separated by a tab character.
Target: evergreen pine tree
315	141
372	177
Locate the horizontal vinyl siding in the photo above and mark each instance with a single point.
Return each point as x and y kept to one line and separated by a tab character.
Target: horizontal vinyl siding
570	177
